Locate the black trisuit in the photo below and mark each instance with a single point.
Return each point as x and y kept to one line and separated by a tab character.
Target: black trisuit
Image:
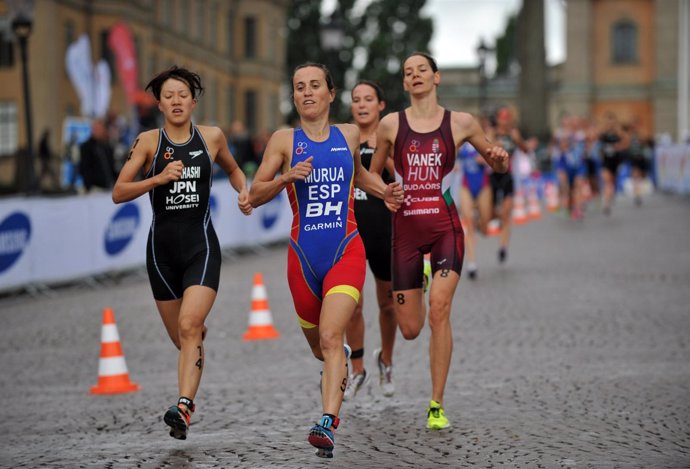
183	248
374	222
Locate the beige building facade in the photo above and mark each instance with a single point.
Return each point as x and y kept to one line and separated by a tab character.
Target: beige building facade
622	56
236	46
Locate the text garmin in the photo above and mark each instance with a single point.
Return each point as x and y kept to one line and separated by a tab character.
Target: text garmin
184	193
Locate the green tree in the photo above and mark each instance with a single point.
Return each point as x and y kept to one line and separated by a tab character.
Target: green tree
381	38
390	30
505	47
305	44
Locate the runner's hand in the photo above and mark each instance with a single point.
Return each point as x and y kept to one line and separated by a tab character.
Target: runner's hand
171	172
243	202
299	172
393	196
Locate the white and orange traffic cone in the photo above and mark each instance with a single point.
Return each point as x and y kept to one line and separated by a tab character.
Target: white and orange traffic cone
533	206
493	228
551	195
260	319
113	377
519	213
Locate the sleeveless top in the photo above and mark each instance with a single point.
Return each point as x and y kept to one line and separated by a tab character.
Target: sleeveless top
362	199
423	165
186	199
322	204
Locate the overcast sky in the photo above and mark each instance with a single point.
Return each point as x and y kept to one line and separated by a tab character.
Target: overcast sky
459	24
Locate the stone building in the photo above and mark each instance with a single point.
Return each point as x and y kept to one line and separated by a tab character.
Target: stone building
629	57
236	46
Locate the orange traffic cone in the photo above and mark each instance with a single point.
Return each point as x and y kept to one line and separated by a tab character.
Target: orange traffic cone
260	319
519	213
533	207
551	195
493	228
112	369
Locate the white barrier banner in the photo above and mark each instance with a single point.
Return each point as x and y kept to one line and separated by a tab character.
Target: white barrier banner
48	240
17	233
673	168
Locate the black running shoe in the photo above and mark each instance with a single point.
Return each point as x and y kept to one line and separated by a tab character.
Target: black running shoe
178	420
502	255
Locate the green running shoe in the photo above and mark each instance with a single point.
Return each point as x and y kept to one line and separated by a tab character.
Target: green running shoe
427	274
435	417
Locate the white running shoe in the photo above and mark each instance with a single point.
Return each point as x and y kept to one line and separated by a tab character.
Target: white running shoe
385	375
355	384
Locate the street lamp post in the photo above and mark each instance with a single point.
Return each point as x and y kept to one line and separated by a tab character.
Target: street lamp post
21	26
483	53
332	35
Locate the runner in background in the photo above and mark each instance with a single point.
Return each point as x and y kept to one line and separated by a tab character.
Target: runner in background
476	201
506	134
374	225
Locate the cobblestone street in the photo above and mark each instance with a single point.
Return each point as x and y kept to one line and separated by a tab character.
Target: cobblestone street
574	354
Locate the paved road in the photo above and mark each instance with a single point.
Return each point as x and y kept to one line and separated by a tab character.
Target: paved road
576	353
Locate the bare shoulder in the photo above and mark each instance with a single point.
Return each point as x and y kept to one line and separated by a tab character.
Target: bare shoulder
348	129
210	133
388	126
147	139
282	136
462	119
390	119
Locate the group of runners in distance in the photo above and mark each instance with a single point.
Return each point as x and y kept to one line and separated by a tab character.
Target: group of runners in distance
583	155
378	189
587	158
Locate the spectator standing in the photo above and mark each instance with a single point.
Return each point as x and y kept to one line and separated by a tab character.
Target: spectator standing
45	155
97	159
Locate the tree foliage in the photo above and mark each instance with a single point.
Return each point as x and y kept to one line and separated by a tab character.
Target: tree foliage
505	47
375	42
394	29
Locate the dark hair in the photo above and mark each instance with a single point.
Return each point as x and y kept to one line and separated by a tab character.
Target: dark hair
191	79
373	84
329	79
430	59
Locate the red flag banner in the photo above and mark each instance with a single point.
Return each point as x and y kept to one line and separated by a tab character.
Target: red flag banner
121	43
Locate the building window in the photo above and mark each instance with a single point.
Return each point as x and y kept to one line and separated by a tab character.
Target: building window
107	54
184	16
167	12
200	21
70	33
8	127
213	27
273	111
6	44
272	41
230	31
624	43
250	37
213	102
250	110
231	104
